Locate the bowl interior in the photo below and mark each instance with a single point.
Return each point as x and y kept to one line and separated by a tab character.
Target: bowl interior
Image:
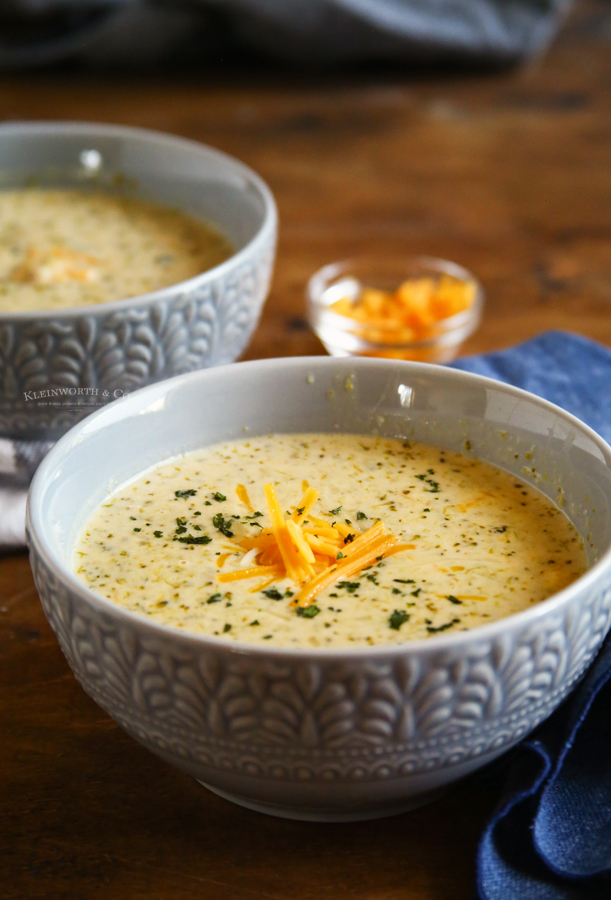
539	443
177	173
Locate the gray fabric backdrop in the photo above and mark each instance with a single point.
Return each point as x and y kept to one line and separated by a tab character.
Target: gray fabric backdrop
133	32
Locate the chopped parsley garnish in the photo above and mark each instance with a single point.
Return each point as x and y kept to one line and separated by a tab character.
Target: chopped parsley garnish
255	622
226	628
454	600
197	513
158	534
404	580
181	529
434	485
360	516
308	612
197	527
340	555
255	515
267	637
133	518
182	495
219	497
222	524
433	630
137	529
350	586
349	538
398	618
207	503
273	594
215	598
189	539
372	577
300	510
336	511
395	591
500	530
416	592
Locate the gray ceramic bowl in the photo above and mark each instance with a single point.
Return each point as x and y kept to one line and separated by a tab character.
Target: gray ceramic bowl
56	366
315	733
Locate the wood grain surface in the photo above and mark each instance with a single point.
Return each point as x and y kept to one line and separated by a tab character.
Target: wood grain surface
507	173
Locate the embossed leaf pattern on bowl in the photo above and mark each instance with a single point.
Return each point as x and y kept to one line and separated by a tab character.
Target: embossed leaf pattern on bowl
423	711
122	350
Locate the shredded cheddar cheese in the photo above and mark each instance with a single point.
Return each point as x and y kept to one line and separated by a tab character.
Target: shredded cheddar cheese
410	314
314	556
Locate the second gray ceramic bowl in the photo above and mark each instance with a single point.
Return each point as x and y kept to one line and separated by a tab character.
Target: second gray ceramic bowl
319	733
58	366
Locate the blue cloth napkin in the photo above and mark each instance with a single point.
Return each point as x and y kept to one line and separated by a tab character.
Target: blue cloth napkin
550	836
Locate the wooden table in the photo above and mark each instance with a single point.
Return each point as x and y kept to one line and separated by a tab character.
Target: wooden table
507	173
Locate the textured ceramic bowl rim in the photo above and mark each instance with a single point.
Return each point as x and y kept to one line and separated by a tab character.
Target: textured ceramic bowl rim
463	323
94	129
36	526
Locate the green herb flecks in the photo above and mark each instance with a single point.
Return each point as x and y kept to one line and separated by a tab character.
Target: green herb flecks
336	511
404	580
190	539
273	593
360	516
434	485
226	628
398	618
215	598
350	586
454	600
222	524
182	495
308	612
432	629
158	534
219	497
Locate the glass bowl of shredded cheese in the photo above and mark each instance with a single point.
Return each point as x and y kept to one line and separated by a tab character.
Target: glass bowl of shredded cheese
422	309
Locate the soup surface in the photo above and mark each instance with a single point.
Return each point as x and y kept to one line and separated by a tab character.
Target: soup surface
407	541
63	248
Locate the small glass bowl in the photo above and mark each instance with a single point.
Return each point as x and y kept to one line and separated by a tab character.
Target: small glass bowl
345	336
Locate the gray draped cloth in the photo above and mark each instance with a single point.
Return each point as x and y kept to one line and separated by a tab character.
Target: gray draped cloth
134	32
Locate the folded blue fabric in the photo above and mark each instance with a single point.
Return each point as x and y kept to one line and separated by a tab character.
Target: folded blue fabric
550	836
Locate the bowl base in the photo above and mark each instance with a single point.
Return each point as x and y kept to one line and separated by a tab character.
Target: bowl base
305	814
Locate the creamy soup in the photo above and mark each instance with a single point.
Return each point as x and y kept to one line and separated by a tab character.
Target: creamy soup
321	540
63	248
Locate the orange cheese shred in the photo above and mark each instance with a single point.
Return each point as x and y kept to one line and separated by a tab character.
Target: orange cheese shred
222	559
254	572
243	496
310	551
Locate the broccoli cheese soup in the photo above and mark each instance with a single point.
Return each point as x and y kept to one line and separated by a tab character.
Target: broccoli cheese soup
63	248
320	540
